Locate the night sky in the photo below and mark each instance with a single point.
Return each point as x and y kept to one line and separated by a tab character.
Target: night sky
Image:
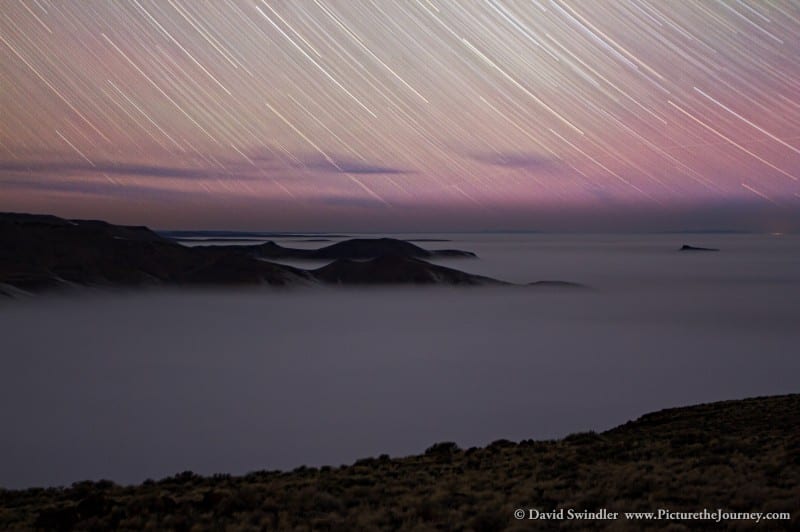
404	115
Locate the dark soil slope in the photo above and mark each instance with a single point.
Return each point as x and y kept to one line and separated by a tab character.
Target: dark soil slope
396	270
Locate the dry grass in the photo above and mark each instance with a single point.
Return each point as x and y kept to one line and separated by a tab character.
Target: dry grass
735	455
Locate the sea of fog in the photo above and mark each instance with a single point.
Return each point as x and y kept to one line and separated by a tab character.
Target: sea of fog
134	386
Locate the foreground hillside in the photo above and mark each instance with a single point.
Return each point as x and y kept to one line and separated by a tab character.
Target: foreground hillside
738	456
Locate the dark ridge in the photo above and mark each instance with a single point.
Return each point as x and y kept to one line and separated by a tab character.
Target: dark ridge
218	239
356	248
396	270
704	232
240	235
556	284
228	269
741	456
687	247
368	248
31	219
11	224
39	253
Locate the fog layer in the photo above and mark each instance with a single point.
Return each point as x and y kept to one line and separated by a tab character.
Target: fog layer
131	386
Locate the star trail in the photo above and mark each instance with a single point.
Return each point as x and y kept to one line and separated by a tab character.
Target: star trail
374	113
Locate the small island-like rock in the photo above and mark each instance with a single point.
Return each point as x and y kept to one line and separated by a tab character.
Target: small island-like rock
687	247
557	284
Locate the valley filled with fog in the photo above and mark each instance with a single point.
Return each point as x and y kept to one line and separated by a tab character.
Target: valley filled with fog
128	386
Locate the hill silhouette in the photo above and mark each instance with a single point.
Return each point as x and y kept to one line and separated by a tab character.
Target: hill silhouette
687	247
354	248
43	252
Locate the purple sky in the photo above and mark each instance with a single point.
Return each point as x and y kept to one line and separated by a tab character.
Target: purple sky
417	115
